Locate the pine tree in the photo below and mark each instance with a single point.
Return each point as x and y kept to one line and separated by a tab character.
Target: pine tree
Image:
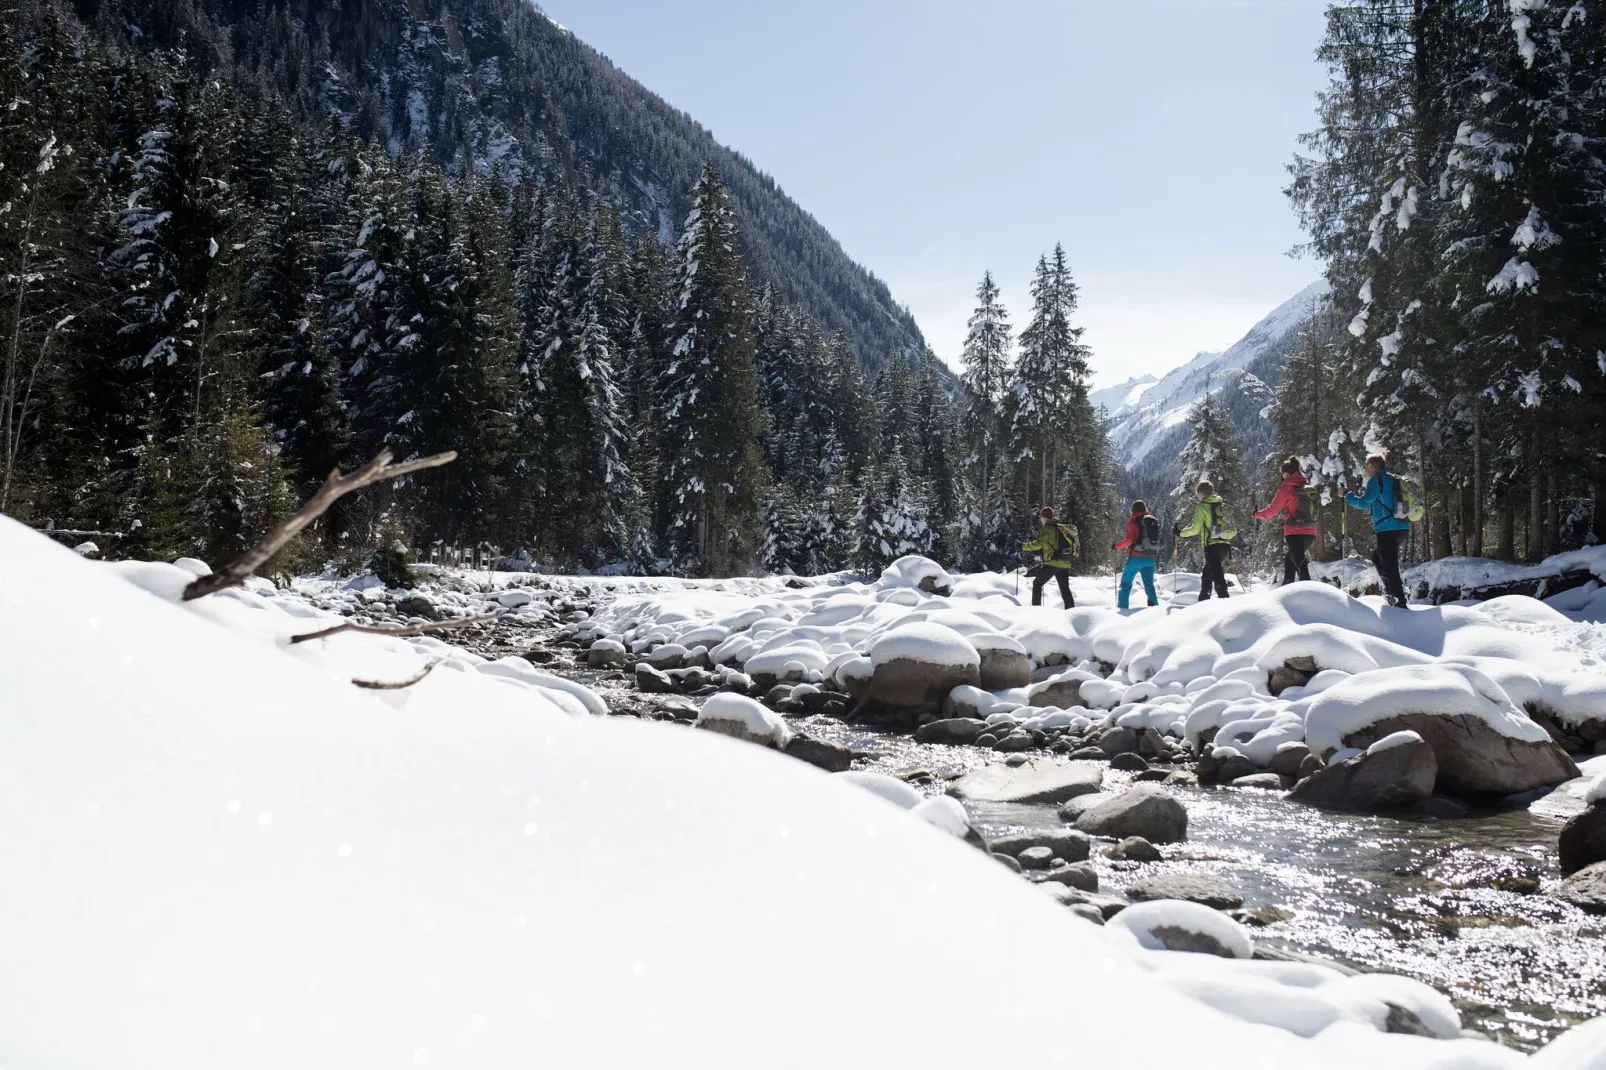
986	379
711	410
1211	454
1050	410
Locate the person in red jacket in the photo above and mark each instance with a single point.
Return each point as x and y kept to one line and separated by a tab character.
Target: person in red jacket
1142	544
1297	505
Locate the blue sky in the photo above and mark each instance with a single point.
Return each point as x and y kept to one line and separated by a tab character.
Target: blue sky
938	138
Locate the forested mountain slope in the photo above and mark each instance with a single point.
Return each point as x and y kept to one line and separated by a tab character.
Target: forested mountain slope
488	82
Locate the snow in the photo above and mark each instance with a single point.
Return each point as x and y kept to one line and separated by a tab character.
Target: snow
1394	739
930	644
1142	919
234	855
752	718
1447	690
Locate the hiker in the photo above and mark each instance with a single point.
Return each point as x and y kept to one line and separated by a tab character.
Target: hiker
1215	537
1056	542
1295	501
1142	544
1390	521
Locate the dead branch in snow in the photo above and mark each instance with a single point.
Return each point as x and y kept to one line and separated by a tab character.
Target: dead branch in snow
402	632
381	685
335	487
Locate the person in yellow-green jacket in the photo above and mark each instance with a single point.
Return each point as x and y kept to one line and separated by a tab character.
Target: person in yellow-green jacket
1211	527
1056	542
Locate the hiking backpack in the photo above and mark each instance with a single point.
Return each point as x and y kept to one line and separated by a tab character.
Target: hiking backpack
1148	534
1304	514
1405	505
1070	542
1220	528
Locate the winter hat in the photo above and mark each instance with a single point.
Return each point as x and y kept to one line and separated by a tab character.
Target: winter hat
1046	513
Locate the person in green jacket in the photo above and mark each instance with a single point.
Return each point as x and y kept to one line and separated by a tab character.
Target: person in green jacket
1215	538
1056	542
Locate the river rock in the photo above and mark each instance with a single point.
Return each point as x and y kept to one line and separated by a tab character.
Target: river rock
1231	766
1068	844
1075	808
1017	740
1202	888
920	686
1474	759
1003	667
1143	810
1288	759
1586	889
1583	840
418	605
1107	906
1398	777
1086	912
1129	762
1134	849
668	656
1008	862
653	681
1062	690
1309	765
743	718
1119	740
1088	754
1263	781
1035	857
1037	780
1079	875
954	730
832	757
605	654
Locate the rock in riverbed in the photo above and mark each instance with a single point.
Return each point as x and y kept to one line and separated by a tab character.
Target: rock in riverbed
1583	840
1036	780
1586	889
1201	888
1395	777
1184	926
1143	810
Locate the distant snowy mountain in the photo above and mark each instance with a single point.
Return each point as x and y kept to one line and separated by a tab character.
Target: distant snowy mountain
1143	411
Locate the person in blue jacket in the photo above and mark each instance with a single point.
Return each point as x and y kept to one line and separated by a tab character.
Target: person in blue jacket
1380	496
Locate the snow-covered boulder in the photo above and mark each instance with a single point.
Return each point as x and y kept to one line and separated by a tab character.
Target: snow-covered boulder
919	573
744	718
1177	925
917	665
1398	774
1062	690
1003	661
1484	744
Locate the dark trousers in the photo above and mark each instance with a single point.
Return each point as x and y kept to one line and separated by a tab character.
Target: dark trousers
1296	562
1387	559
1215	571
1040	580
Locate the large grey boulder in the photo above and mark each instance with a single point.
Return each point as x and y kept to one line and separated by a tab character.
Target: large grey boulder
652	681
1079	875
1075	808
906	684
1036	780
1063	690
1397	777
832	757
1586	889
1201	888
1002	666
954	730
1583	840
1143	810
1474	759
1118	740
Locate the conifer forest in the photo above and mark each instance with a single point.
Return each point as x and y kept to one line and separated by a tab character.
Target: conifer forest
244	244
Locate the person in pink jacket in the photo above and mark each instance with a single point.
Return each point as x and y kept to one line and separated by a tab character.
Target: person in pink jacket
1296	503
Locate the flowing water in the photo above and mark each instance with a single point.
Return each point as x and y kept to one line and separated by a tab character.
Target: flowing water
1456	903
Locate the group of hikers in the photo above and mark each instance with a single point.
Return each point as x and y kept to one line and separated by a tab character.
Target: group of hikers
1388	505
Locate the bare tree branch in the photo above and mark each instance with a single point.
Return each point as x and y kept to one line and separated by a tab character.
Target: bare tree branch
403	632
336	486
381	685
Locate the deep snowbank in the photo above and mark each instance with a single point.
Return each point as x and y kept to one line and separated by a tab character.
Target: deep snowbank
216	851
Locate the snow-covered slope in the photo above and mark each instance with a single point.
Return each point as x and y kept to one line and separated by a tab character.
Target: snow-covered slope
1144	415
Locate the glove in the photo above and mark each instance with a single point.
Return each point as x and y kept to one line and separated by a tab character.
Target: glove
1025	548
1176	529
1115	546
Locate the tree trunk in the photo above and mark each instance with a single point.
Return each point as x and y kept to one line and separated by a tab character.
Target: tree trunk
1506	547
1552	513
1536	515
1475	543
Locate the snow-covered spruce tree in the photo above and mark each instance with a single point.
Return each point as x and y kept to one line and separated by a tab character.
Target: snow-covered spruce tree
1310	410
1211	453
712	418
934	455
986	380
1049	388
1525	251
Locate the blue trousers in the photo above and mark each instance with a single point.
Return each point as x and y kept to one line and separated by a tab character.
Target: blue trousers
1137	566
